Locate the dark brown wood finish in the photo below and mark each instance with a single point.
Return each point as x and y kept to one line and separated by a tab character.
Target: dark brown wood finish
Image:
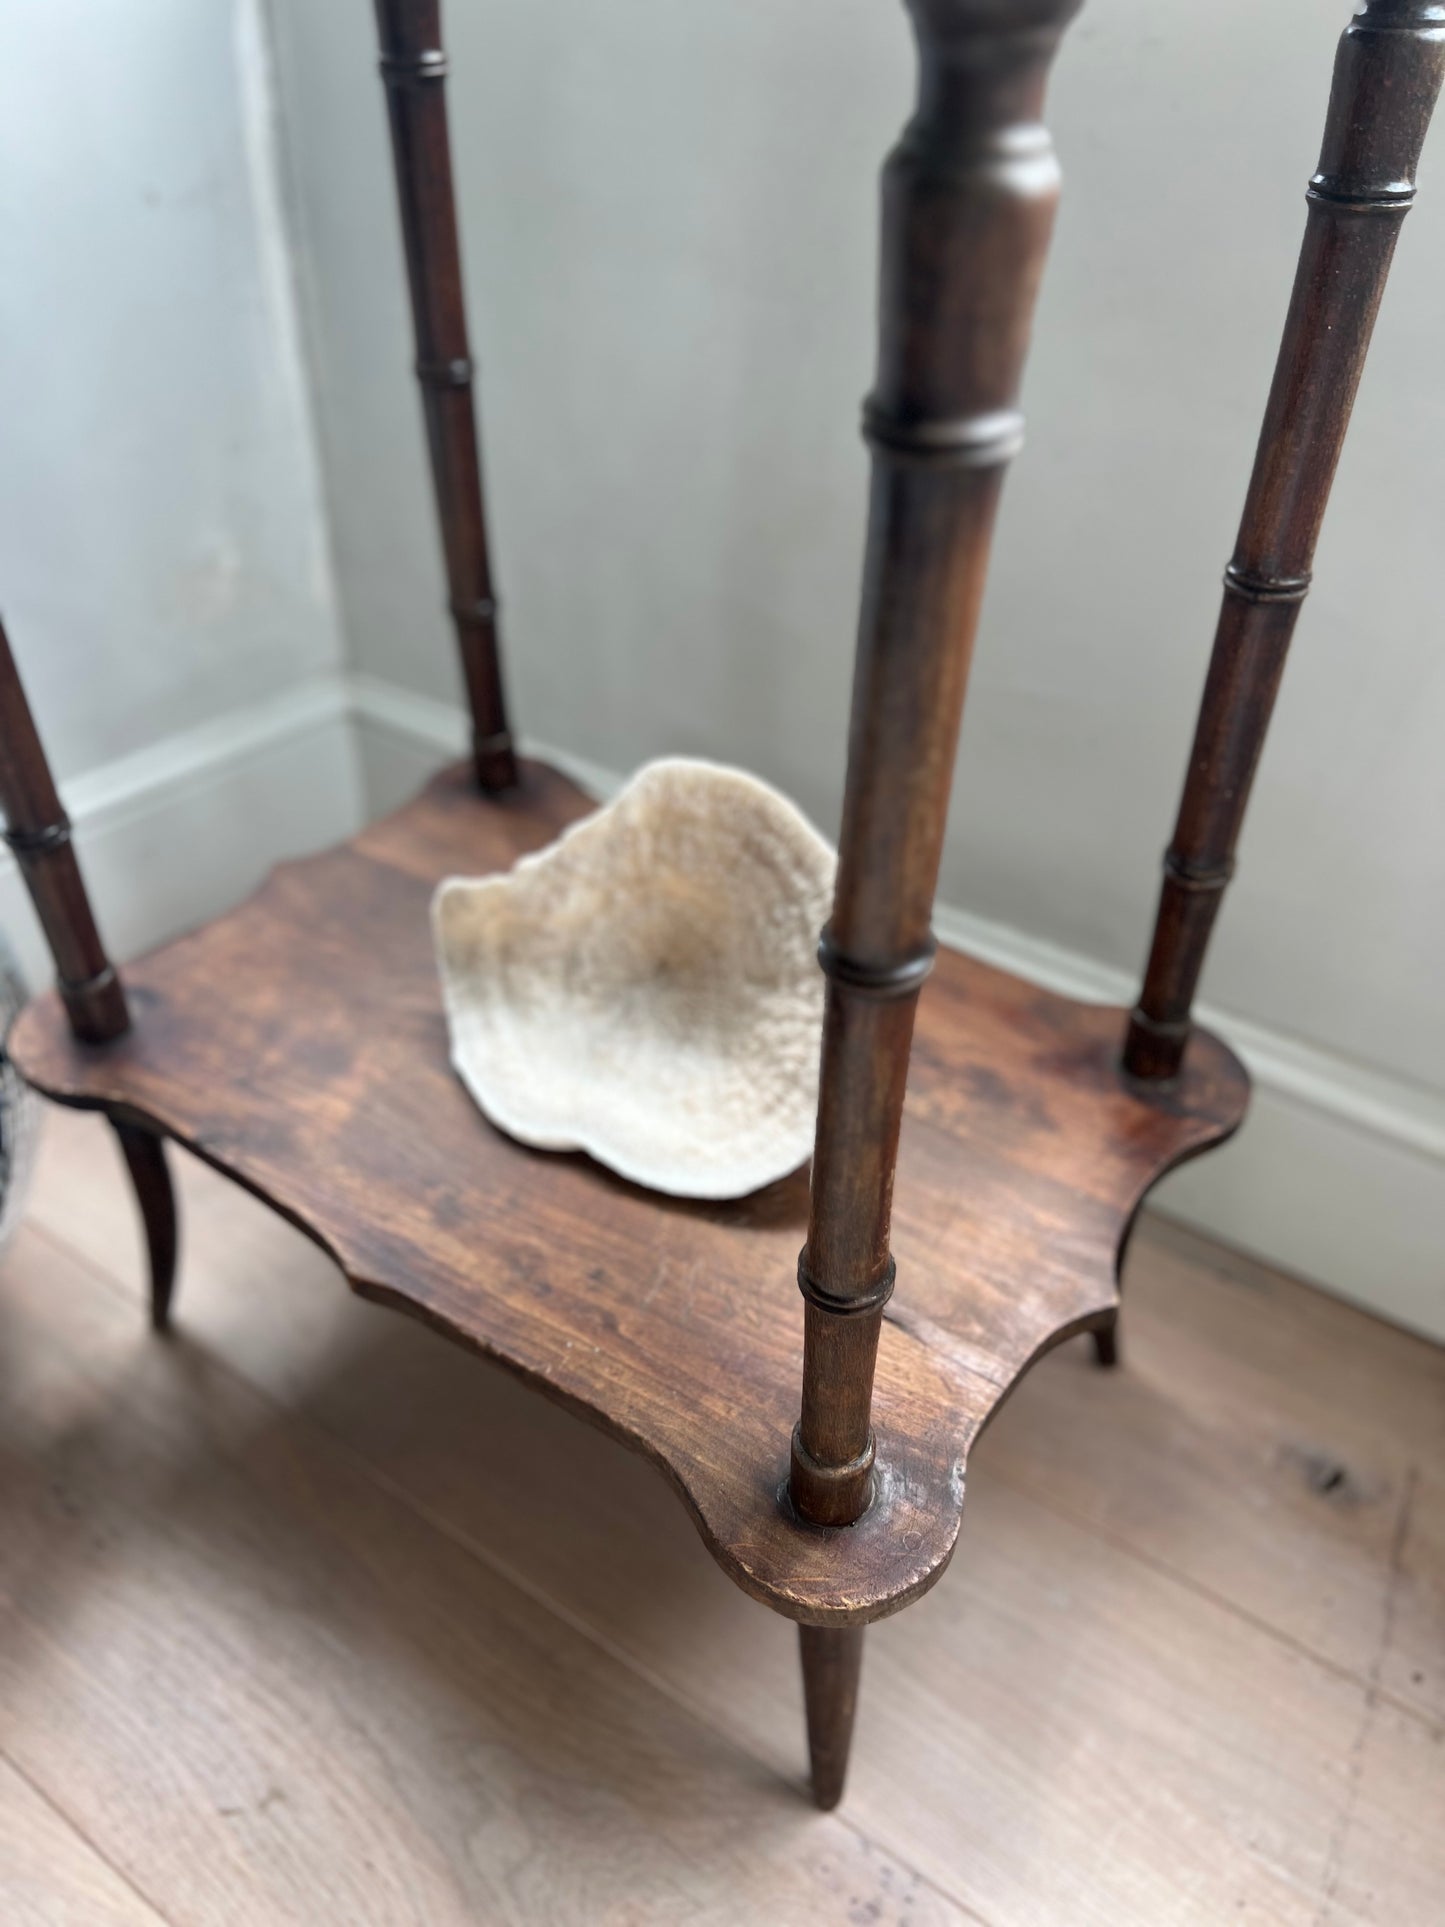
1387	76
89	987
414	68
321	1082
1106	1343
145	1160
832	1659
38	832
968	206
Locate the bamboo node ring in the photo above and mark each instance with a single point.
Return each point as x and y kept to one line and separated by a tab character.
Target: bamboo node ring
413	70
1187	876
35	842
481	612
1389	197
902	979
984	440
1250	587
840	1304
454	373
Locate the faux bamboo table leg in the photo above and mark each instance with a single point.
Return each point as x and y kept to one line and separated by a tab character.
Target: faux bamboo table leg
38	832
1388	72
968	207
414	69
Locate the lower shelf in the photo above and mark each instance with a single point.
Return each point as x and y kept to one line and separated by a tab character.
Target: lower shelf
298	1045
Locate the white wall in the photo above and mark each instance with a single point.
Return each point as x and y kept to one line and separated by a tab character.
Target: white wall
669	219
669	230
164	573
669	226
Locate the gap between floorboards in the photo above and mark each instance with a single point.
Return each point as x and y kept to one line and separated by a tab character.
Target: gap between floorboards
484	1556
48	1799
1040	1495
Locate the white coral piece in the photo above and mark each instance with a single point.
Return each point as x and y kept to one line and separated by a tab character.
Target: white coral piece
645	989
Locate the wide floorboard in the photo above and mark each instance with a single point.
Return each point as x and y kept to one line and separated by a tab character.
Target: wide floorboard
306	1616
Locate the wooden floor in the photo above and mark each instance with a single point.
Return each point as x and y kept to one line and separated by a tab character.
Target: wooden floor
1188	1664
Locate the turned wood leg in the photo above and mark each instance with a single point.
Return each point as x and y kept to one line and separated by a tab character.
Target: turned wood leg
1106	1342
1388	71
832	1658
145	1157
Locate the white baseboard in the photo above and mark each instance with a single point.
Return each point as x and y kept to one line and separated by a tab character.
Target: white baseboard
402	735
401	738
1339	1173
186	828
